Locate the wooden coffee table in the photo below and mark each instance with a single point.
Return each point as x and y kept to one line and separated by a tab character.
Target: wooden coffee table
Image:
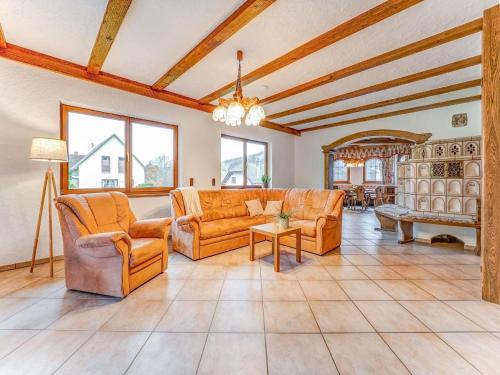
275	232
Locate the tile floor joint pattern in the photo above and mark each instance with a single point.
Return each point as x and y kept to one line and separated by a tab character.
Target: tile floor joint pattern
372	306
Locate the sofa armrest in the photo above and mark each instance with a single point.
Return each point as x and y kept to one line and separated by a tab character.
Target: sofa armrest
150	228
103	245
188	223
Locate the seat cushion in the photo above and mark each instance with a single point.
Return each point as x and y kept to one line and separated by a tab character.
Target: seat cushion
308	226
143	249
221	227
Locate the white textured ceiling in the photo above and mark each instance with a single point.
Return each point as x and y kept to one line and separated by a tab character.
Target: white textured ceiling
155	34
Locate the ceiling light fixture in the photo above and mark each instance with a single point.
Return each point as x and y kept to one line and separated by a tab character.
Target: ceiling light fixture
233	112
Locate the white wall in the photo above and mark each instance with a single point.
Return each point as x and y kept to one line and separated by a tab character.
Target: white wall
29	107
309	158
356	175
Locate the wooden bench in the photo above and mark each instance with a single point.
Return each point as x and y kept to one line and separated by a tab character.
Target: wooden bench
394	218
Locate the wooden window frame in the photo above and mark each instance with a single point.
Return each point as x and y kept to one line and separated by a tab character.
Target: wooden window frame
128	120
348	181
266	167
365	181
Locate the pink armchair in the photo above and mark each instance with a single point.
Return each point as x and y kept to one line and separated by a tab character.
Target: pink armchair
106	249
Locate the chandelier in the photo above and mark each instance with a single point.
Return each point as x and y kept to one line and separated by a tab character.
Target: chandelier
239	108
353	163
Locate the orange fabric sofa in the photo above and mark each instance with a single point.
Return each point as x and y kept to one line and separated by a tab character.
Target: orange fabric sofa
106	249
225	221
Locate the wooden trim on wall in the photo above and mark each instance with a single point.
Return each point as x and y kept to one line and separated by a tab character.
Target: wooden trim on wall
127	120
383	103
111	22
490	206
350	27
3	42
396	54
410	136
326	149
237	20
54	64
457	65
426	107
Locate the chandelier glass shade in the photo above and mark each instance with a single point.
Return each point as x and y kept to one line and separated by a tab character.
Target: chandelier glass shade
239	109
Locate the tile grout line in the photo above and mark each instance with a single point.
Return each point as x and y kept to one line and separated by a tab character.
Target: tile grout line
319	329
154	328
210	327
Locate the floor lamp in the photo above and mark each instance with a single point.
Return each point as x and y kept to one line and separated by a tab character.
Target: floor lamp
48	150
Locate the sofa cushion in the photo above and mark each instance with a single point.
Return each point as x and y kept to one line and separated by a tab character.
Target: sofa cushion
294	202
221	227
254	207
308	227
273	208
144	249
226	203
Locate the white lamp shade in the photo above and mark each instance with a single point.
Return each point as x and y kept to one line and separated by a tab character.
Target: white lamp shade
49	149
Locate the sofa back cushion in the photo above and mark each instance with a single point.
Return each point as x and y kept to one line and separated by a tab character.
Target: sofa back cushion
227	203
100	212
294	202
319	202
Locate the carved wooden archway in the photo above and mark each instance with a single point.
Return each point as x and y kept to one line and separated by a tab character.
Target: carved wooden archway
414	137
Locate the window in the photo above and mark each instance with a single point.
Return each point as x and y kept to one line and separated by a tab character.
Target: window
341	172
105	164
373	170
243	162
121	164
98	140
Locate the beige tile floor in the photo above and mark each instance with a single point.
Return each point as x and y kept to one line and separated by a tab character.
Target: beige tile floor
372	307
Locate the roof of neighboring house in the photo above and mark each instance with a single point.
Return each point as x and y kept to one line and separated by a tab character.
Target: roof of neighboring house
235	165
96	148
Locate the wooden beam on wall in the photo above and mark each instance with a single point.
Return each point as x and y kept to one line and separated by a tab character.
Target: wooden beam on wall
384	103
242	16
396	54
352	26
111	22
426	107
3	42
461	64
33	58
490	206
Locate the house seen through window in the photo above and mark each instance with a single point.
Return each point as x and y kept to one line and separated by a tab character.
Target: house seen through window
243	162
98	144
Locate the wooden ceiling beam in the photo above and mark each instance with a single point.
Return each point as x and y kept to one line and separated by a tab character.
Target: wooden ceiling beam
352	26
457	65
242	16
111	22
426	107
3	42
384	103
33	58
396	54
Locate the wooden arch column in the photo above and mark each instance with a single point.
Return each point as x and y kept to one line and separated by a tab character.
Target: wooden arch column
490	235
414	137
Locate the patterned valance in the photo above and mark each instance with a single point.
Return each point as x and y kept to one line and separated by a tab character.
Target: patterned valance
368	152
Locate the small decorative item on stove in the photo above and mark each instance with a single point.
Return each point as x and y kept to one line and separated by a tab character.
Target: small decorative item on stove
284	219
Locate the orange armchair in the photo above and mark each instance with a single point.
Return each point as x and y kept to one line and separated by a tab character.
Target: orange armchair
106	249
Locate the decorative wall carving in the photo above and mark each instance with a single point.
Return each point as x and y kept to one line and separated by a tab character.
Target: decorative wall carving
442	177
